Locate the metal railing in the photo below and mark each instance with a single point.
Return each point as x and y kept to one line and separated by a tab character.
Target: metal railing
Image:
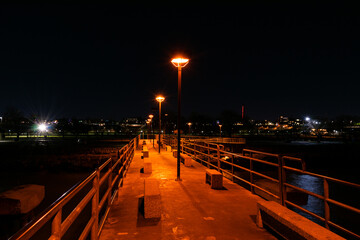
104	184
226	140
230	164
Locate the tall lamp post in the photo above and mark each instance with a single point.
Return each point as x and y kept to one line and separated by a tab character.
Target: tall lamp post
179	63
220	129
189	124
160	99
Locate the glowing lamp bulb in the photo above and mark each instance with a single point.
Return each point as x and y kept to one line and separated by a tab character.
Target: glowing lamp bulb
42	127
180	62
160	99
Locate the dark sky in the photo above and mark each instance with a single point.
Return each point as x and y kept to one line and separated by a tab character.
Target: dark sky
110	61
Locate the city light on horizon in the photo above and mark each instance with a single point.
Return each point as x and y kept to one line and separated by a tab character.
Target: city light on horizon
42	127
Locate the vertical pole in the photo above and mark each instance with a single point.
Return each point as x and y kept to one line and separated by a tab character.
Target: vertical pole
56	226
152	133
208	154
95	207
178	124
159	125
109	183
281	174
218	156
326	204
232	167
251	175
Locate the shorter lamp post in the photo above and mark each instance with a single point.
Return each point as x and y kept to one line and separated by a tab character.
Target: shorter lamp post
189	124
152	134
160	99
220	129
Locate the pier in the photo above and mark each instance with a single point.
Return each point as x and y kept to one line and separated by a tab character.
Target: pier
135	195
190	209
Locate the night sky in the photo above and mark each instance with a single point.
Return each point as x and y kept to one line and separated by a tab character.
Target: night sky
110	61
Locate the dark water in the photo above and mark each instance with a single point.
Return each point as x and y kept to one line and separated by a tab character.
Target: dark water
334	159
330	158
44	162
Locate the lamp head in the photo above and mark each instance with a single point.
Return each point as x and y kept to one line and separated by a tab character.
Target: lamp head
160	99
180	62
151	116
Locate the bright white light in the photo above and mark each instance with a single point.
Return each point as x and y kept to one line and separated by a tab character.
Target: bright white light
307	119
42	127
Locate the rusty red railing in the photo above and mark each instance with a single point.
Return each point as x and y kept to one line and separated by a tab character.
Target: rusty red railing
101	188
214	156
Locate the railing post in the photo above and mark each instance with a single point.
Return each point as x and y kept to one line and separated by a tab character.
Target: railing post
109	183
232	168
95	207
194	151
281	176
326	204
182	146
56	226
208	152
251	175
218	156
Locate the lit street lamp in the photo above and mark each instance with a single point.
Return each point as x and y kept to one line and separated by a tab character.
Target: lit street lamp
151	130
189	124
160	99
148	131
42	128
220	129
179	63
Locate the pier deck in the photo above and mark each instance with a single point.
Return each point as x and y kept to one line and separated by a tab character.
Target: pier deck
190	208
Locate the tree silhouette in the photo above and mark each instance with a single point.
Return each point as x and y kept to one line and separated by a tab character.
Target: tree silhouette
14	121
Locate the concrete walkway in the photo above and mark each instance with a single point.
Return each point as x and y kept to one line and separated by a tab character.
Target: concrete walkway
190	208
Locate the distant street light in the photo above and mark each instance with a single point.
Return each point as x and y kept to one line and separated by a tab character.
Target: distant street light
160	99
148	123
42	127
189	124
220	129
151	129
179	63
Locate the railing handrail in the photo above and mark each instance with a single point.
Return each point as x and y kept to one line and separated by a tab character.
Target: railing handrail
55	209
198	151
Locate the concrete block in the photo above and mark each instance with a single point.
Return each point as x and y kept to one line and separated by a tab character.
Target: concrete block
188	162
21	199
168	148
281	219
214	178
175	153
152	200
147	166
186	159
145	152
